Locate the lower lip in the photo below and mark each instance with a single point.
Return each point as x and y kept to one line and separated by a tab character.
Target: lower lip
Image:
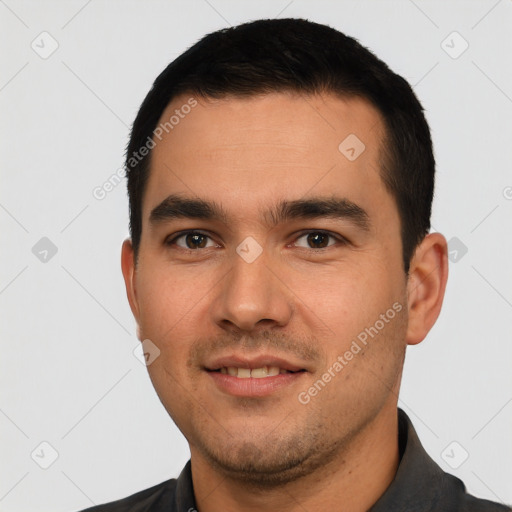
252	387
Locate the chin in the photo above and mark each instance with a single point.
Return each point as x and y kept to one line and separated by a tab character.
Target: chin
269	463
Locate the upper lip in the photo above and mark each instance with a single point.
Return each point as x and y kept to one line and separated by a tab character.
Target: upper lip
239	361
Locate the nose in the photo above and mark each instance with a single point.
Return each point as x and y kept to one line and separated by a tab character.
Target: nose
252	297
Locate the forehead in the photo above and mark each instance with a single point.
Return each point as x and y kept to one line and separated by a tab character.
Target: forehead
248	152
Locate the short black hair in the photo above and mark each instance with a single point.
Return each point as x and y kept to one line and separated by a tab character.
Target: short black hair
297	55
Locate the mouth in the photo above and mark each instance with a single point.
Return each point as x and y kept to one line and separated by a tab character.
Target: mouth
254	373
258	377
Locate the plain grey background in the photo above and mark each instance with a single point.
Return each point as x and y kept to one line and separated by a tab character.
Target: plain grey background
73	74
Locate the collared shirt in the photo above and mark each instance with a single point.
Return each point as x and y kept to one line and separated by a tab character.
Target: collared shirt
420	485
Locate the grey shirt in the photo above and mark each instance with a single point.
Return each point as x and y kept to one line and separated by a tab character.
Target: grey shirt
420	485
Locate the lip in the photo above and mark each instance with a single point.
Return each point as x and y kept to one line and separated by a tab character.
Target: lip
253	362
253	387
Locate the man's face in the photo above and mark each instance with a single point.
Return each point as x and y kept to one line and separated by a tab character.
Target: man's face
304	258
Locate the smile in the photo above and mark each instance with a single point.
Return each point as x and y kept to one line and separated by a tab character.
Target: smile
255	373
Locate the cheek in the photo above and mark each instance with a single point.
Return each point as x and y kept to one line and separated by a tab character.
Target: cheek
173	303
164	319
346	299
167	296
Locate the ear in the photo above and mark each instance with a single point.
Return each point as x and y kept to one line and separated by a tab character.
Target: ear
129	274
426	285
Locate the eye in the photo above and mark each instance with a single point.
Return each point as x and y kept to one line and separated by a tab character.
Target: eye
192	240
317	240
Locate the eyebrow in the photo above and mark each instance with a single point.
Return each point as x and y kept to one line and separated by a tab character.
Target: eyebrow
180	207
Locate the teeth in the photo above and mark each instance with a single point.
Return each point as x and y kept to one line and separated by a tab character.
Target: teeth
244	373
274	370
255	373
258	373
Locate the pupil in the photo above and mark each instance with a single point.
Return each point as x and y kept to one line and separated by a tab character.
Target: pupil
319	240
195	241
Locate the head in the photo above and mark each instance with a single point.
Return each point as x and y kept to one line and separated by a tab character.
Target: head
280	179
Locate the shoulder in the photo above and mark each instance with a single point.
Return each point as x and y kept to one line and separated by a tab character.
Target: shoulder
149	499
472	504
421	485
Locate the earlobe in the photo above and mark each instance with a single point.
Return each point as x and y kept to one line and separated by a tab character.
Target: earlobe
426	286
128	269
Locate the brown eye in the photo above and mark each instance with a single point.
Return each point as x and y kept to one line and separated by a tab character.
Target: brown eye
315	240
318	240
193	240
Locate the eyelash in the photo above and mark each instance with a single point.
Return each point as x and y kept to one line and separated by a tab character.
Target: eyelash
340	239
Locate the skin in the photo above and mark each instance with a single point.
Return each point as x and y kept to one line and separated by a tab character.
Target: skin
301	302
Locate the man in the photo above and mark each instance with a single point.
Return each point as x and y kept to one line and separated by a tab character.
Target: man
280	180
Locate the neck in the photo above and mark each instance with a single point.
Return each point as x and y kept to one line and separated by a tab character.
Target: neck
354	481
